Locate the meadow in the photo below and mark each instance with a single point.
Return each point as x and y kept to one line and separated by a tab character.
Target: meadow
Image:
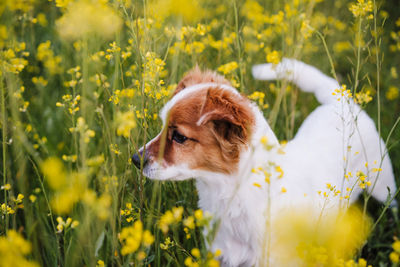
82	82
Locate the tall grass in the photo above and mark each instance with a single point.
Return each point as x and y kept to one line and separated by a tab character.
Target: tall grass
82	83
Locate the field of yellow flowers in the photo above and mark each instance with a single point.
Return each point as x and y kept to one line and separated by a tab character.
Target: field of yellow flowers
81	85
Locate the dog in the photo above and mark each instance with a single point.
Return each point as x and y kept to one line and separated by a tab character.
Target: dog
217	136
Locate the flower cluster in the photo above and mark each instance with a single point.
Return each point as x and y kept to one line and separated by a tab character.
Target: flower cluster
395	254
196	260
342	93
85	17
134	238
361	8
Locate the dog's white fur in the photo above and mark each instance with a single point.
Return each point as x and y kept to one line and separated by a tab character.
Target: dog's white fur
322	151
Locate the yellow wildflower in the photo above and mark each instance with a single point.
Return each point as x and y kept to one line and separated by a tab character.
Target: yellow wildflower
392	93
53	170
198	214
274	57
257	185
394	257
361	8
196	252
32	198
13	250
189	10
6	187
228	67
279	170
83	17
396	246
189	222
133	237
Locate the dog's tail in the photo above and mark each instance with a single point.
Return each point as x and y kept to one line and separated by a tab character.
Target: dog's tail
306	77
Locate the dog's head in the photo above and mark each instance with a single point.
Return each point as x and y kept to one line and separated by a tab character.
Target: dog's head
207	124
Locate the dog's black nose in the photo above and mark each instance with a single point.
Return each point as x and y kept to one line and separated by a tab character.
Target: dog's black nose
136	159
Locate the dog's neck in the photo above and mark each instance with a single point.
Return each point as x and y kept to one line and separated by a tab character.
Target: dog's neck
228	198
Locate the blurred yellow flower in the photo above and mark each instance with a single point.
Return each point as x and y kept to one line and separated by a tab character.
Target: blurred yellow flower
189	222
340	47
396	246
392	93
85	17
53	170
228	67
394	257
273	57
188	10
6	187
13	250
304	238
125	123
133	237
361	8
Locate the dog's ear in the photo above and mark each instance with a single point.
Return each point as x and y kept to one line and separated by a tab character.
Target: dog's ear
230	118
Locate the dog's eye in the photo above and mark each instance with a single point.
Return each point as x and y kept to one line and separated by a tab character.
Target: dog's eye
177	137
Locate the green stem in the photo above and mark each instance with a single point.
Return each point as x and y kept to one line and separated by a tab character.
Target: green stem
356	82
239	52
4	144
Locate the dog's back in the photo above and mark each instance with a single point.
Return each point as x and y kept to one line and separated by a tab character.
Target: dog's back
338	142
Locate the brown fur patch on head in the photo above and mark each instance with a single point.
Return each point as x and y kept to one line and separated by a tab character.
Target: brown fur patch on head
231	120
217	124
197	76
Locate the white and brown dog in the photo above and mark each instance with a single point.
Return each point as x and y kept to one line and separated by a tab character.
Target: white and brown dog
212	133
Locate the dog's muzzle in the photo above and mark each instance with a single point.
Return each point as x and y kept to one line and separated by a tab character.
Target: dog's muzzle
138	158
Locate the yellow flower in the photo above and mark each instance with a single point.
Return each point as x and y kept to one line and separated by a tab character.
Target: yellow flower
394	257
257	185
392	93
340	47
50	61
32	198
363	98
376	169
84	17
189	222
306	30
166	219
396	246
274	57
198	214
301	236
279	170
126	122
228	67
361	8
6	187
177	212
133	237
13	250
148	238
283	190
189	10
196	252
264	140
53	170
